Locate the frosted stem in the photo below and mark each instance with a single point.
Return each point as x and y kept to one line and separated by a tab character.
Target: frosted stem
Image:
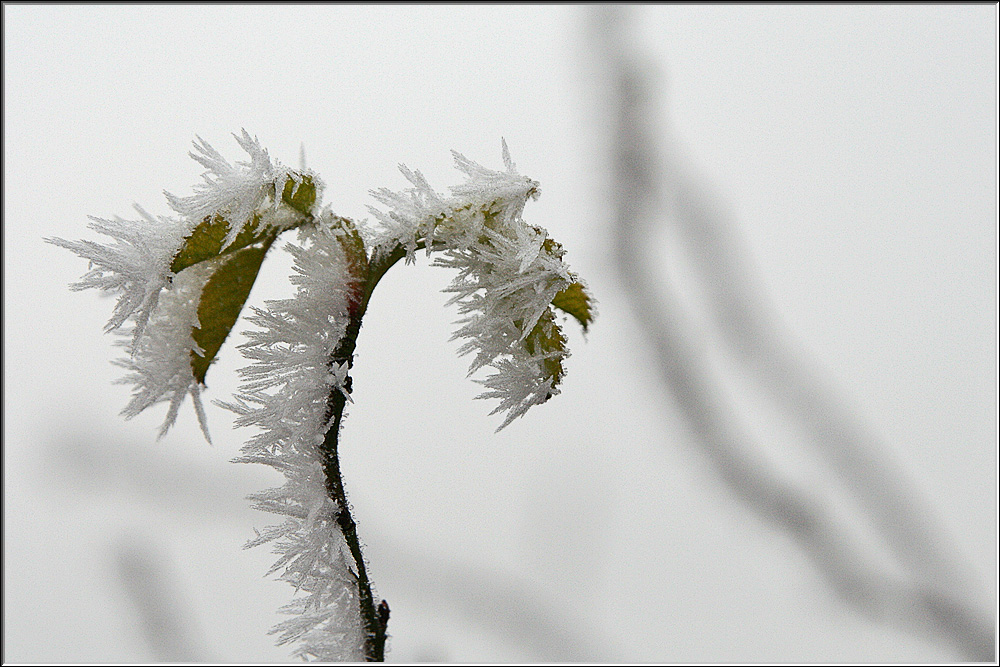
375	619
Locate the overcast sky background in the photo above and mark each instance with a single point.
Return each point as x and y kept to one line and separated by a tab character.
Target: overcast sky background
855	146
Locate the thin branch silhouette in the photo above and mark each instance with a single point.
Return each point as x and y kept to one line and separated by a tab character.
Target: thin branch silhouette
166	620
650	191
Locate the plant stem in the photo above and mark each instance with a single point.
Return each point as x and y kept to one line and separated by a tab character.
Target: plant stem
374	619
374	622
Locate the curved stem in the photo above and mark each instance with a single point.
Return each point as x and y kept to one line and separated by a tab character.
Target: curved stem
374	619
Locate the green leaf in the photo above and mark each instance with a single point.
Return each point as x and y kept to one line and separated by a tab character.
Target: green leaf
575	301
357	261
300	194
227	290
205	242
222	300
551	246
353	245
546	337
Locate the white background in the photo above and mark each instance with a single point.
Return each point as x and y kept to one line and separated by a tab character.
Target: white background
856	147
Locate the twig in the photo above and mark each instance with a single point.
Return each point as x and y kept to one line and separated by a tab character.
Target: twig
932	601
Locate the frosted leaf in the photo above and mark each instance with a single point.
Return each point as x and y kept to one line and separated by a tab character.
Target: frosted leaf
509	272
136	266
234	191
160	267
160	364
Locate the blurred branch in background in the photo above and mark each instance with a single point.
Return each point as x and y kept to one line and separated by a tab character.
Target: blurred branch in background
153	591
934	593
502	604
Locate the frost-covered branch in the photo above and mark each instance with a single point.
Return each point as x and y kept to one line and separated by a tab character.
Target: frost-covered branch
184	281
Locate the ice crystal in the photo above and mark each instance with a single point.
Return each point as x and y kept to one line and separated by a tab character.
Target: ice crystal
160	364
236	191
182	282
136	266
508	274
284	393
140	266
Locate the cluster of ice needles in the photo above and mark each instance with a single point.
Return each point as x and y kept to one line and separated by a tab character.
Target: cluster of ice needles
508	275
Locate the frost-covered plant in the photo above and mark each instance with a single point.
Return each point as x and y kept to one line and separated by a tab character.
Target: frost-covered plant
182	283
